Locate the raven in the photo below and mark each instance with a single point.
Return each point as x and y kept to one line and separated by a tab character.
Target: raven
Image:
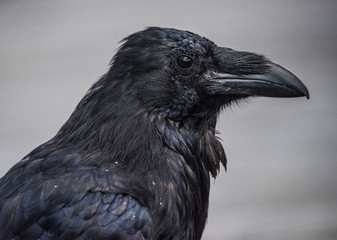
135	158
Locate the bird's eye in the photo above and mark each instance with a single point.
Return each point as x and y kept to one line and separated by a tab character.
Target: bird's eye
184	61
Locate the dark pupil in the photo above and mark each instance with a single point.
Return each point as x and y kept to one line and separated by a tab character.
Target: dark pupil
184	62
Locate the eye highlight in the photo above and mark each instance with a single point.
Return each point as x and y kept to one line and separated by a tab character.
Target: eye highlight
184	61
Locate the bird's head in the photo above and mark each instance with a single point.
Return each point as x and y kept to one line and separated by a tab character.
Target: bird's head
182	74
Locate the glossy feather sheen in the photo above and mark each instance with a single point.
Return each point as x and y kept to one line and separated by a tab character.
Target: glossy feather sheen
134	159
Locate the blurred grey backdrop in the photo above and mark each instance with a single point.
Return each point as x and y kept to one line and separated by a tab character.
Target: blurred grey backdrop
281	181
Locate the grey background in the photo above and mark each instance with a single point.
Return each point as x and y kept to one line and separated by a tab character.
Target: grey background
281	181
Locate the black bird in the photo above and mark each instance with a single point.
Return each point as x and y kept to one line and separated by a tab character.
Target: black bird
134	159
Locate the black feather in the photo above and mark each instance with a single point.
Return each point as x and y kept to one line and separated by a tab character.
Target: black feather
134	159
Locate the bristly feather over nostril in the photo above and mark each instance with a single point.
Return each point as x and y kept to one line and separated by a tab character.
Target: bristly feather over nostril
240	63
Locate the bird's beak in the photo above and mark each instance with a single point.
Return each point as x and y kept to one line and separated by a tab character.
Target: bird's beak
275	81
